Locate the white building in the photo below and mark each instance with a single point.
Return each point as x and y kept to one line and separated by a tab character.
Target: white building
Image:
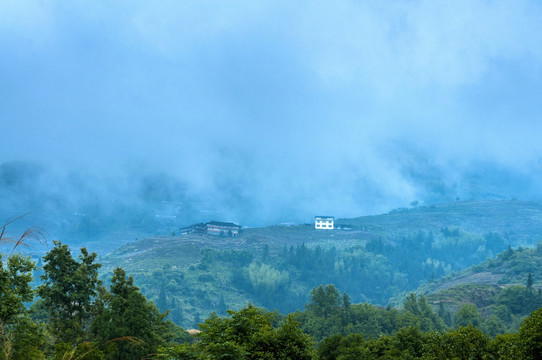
324	222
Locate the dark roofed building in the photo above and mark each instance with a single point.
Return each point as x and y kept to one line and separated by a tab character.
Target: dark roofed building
222	228
193	229
218	228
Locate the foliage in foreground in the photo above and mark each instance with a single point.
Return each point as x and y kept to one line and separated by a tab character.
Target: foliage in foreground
246	334
249	334
76	317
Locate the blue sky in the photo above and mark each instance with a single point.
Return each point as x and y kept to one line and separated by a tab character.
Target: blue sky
270	102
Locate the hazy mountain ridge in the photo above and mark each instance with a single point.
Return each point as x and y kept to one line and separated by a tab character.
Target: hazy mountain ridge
520	219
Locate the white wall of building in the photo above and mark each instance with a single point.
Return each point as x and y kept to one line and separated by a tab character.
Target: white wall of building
324	222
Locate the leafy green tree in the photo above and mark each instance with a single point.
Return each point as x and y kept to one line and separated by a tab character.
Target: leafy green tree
15	289
178	352
514	298
162	302
427	317
346	310
464	343
23	340
366	319
68	291
266	280
493	326
530	333
505	347
289	342
125	314
20	337
444	314
328	348
249	334
354	347
324	302
408	343
468	315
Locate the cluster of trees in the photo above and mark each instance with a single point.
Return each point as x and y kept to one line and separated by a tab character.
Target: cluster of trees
76	316
411	343
329	313
363	331
251	333
412	333
520	299
465	342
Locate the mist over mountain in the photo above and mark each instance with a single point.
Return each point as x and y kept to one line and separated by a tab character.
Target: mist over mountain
152	116
79	208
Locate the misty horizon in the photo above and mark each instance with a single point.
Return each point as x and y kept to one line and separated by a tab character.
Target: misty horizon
266	112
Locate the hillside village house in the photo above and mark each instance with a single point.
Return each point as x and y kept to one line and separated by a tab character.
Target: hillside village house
324	222
222	228
212	228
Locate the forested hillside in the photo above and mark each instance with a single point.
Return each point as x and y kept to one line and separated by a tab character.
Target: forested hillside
377	259
501	290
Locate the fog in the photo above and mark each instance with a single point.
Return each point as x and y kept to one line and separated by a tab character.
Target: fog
265	112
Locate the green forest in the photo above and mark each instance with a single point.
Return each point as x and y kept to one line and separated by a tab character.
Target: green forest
70	313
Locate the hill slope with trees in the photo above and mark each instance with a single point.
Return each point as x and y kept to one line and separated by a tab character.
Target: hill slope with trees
374	258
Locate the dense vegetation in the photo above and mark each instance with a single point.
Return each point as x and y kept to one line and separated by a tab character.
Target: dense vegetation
77	317
251	334
502	289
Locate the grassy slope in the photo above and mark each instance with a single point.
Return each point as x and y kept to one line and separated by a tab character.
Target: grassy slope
182	251
522	220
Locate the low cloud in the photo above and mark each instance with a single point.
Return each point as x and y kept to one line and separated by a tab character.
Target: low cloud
265	112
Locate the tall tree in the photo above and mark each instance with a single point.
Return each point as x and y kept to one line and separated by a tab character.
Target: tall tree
325	302
529	282
468	314
530	333
125	314
68	291
20	337
15	289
